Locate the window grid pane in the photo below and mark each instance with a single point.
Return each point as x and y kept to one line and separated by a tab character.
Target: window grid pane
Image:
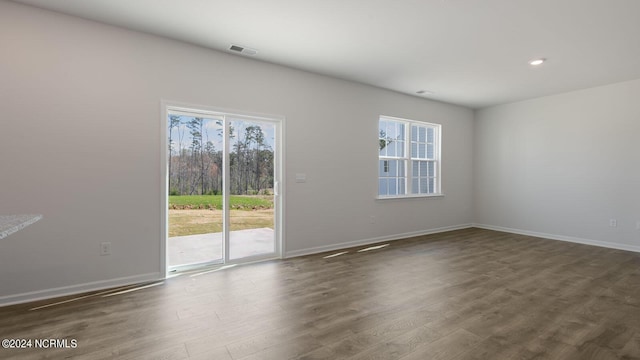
396	139
422	142
382	135
391	138
423	177
393	186
402	187
382	186
400	148
391	178
400	131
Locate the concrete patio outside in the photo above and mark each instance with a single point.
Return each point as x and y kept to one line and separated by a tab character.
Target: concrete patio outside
204	248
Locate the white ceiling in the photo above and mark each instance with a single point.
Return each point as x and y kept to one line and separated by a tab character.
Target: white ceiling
468	52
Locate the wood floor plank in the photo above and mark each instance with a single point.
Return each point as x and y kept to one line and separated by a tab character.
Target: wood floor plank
489	348
466	294
447	347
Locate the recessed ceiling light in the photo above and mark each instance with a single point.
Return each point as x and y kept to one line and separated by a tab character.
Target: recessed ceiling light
536	62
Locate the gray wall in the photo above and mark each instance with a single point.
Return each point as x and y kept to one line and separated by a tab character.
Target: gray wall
80	143
562	166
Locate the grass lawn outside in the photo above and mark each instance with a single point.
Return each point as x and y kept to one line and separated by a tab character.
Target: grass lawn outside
239	202
202	214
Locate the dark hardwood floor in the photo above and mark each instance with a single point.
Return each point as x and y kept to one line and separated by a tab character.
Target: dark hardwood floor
468	294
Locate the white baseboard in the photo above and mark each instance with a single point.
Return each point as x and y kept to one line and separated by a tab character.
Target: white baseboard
124	281
349	244
572	239
77	289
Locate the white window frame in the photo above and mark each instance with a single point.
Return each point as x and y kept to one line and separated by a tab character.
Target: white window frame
408	159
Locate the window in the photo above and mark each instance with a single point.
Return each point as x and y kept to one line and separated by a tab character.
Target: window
408	159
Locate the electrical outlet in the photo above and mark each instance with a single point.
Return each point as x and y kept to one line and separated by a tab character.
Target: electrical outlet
372	219
105	248
613	223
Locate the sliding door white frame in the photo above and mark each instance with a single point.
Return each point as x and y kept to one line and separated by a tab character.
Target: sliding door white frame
168	107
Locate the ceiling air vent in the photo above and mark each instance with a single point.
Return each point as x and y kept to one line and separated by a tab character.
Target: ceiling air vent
243	50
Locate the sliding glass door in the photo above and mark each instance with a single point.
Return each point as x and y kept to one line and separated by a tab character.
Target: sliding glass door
252	188
221	189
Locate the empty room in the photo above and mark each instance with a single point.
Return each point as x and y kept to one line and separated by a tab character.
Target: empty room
436	179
